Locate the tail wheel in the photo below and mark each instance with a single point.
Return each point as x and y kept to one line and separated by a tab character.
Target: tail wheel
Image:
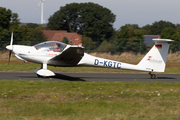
153	76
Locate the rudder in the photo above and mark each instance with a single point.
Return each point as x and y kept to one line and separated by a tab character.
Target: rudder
155	59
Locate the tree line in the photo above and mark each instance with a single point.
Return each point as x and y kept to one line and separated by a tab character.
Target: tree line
24	34
95	25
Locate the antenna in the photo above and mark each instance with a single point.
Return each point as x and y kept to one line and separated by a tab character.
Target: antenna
41	2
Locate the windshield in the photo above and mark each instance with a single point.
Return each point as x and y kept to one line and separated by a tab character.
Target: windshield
51	46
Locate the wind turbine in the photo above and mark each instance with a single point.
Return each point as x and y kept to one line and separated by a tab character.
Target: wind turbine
41	2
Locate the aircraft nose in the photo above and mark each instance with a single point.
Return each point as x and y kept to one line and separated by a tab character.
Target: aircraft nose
9	47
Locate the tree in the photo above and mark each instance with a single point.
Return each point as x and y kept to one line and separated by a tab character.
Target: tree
22	35
40	28
37	36
171	33
88	44
15	21
147	28
28	36
4	38
89	19
32	25
130	39
5	18
178	29
157	27
175	45
168	32
106	47
65	40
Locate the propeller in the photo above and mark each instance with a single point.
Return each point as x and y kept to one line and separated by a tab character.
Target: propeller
9	56
10	48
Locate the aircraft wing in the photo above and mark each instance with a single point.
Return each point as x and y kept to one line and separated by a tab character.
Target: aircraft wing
69	57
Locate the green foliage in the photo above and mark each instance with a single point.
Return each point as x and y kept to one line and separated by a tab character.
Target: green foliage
175	46
40	28
63	100
4	34
14	21
171	33
5	18
28	35
133	45
89	19
32	25
178	28
147	28
65	40
106	47
88	44
167	32
157	27
129	38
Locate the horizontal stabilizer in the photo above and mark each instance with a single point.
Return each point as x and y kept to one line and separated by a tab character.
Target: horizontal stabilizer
162	40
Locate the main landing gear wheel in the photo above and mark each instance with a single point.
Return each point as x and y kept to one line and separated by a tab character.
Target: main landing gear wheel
43	76
153	76
44	73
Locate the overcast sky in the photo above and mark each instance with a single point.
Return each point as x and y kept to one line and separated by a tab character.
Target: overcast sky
141	12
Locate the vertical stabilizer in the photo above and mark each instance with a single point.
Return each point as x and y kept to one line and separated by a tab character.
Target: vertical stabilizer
155	59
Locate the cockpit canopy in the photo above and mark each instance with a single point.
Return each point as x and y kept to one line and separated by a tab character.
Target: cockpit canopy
54	46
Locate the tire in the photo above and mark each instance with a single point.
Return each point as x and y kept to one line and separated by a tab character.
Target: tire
153	76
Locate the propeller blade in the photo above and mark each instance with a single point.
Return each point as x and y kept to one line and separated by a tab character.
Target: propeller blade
9	56
10	48
11	38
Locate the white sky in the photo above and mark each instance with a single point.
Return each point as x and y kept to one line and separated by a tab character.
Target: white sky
141	12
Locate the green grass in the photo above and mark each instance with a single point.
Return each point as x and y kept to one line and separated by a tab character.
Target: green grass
17	65
37	100
172	65
30	67
42	100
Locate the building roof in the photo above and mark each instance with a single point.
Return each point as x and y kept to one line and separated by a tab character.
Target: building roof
57	35
60	36
148	39
50	33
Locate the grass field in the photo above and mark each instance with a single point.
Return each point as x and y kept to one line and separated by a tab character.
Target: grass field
172	66
63	100
42	100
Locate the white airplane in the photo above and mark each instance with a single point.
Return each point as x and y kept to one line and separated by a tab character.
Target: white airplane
60	54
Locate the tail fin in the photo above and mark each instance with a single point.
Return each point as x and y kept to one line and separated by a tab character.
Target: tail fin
155	59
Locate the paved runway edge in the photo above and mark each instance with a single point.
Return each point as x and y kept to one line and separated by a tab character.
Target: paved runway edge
110	77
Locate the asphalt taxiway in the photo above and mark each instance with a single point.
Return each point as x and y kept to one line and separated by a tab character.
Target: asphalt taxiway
118	77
